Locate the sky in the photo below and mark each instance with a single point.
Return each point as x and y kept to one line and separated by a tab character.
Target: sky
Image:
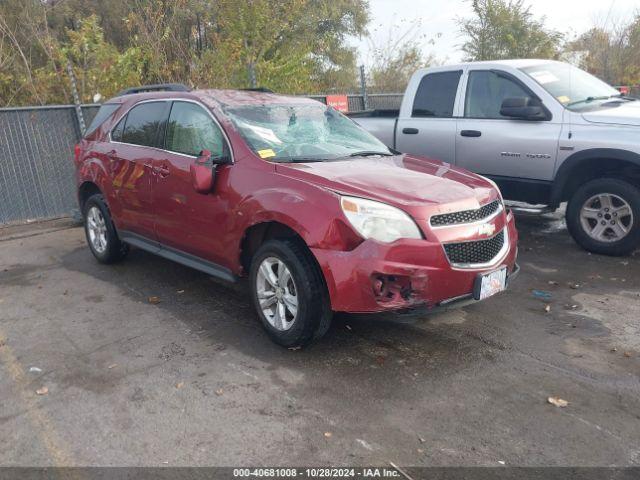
437	29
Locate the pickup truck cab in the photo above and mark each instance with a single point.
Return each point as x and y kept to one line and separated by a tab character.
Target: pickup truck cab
316	212
546	132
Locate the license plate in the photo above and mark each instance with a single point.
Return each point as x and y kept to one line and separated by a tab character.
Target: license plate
490	283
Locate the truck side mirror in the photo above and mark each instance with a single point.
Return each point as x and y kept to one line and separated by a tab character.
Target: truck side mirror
523	108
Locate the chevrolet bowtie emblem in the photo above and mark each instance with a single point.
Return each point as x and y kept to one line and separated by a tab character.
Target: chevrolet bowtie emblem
486	229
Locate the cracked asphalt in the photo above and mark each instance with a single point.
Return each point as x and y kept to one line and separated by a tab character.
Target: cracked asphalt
193	380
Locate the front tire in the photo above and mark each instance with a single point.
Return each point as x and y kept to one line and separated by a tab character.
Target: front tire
101	233
289	293
603	216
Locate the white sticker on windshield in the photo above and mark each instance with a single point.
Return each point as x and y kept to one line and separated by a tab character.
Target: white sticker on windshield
265	133
543	77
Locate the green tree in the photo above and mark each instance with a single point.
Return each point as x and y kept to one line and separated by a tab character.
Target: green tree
502	29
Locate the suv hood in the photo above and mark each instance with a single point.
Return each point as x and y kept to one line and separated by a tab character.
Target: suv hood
404	181
627	113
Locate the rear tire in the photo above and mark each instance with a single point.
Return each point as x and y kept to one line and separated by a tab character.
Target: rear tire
289	293
603	216
101	233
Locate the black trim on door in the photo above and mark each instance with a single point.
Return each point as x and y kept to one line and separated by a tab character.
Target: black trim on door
177	256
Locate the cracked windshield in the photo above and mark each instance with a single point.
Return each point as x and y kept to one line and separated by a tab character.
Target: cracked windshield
303	133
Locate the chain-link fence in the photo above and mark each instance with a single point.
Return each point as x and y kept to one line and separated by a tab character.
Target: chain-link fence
36	167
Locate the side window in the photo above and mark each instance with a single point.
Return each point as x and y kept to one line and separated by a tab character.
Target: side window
436	95
142	124
104	112
191	130
116	133
486	92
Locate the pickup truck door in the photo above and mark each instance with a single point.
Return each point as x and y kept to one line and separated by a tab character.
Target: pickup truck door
515	153
428	127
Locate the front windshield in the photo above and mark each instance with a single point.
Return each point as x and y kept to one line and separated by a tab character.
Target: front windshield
302	133
574	88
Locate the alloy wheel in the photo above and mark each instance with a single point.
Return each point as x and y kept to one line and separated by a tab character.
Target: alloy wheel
606	217
97	228
277	294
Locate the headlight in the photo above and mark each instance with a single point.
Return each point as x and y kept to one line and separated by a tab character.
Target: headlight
378	221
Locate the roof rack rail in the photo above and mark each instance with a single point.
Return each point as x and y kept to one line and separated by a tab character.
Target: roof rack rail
258	89
159	87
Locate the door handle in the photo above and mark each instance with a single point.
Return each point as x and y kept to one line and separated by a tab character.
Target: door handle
410	131
470	133
163	171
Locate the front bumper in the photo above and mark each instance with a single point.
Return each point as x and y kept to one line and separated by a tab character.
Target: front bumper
413	273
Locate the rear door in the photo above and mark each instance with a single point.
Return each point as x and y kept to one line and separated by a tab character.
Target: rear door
134	149
430	129
187	220
508	150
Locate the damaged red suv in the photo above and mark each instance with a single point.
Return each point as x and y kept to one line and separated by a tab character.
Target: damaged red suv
316	212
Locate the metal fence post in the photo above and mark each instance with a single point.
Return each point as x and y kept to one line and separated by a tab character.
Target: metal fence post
363	88
76	99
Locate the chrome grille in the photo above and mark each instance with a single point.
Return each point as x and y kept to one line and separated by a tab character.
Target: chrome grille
475	252
466	216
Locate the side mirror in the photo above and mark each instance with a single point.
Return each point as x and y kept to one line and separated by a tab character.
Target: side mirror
202	173
523	108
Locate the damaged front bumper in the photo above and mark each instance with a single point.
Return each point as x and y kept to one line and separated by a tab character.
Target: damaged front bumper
404	275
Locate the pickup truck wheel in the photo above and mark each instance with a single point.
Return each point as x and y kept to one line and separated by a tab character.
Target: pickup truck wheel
289	293
603	216
101	233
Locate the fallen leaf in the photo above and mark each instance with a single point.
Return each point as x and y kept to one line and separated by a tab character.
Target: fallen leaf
380	360
557	401
179	385
613	350
419	450
113	365
219	392
42	391
154	300
422	440
627	354
327	434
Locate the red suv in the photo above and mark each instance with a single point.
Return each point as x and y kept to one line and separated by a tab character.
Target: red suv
319	214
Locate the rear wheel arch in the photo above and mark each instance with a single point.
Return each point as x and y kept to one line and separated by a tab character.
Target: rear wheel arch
85	192
587	165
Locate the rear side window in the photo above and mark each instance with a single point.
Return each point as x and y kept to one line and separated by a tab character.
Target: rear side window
436	95
142	124
191	130
116	133
104	112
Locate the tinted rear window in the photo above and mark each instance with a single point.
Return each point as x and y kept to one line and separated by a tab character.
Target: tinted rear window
436	95
104	112
141	126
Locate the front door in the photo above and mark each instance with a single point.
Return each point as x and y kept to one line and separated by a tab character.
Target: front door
499	147
187	220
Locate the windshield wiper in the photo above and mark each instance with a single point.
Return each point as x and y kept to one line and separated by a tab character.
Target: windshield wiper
300	160
587	100
370	153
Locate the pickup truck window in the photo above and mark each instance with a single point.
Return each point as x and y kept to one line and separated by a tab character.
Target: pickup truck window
436	95
486	91
574	88
302	133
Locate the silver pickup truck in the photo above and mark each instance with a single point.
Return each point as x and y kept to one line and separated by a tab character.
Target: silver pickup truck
544	131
